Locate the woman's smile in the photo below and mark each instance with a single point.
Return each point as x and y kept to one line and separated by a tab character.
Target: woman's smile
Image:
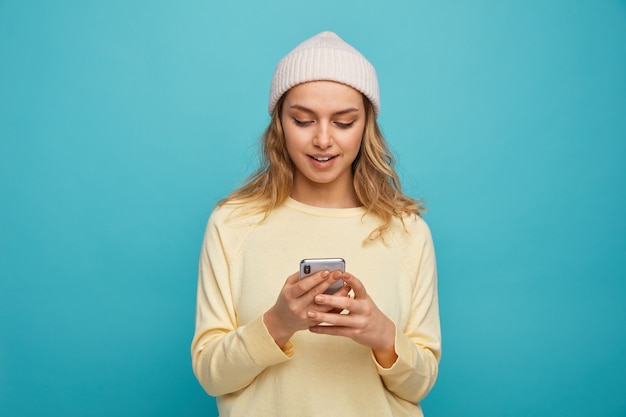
323	161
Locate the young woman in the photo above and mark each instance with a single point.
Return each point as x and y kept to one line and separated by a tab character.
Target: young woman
268	343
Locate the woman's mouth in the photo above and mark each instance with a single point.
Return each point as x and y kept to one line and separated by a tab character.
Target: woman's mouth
322	158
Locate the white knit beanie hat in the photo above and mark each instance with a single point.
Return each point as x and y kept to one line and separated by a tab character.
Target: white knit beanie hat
325	57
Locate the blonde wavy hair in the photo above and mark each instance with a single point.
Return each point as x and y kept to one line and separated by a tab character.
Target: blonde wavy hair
376	182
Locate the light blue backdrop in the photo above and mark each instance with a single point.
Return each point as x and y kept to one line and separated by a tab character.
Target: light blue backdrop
123	122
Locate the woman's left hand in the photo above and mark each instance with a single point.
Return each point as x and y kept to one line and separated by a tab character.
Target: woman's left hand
364	323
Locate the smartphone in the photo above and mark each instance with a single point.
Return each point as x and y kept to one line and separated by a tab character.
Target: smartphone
311	266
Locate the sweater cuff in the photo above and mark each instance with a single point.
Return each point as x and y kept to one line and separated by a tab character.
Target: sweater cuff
261	346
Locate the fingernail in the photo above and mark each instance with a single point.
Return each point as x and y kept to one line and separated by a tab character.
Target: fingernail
310	314
325	274
319	298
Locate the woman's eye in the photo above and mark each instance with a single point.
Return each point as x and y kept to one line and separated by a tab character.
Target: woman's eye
301	123
344	125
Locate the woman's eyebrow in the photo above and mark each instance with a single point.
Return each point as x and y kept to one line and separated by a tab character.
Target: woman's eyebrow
337	113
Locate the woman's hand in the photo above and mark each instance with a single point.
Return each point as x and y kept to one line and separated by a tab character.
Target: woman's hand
364	323
296	300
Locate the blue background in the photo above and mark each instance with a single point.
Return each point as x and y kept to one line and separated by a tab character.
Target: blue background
123	122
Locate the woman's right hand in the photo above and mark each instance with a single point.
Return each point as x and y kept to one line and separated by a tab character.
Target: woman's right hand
296	299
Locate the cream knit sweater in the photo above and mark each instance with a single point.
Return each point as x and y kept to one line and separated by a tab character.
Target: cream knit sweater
244	264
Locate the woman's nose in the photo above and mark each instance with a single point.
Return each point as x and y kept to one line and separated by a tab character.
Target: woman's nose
322	137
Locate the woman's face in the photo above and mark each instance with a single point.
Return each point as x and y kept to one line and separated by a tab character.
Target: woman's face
323	123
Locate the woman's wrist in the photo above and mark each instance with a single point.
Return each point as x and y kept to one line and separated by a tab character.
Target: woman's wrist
276	329
386	358
386	354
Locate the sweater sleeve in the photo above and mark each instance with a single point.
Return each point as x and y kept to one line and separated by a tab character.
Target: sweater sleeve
226	357
418	344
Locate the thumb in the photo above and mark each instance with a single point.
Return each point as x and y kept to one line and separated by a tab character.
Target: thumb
355	284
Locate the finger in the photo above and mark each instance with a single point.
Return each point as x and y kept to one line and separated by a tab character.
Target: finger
355	284
325	309
303	286
332	285
331	330
343	291
293	278
341	320
322	287
335	302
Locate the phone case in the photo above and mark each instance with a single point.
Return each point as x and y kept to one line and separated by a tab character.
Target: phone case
313	265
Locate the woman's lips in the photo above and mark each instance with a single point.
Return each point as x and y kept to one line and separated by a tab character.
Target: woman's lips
322	161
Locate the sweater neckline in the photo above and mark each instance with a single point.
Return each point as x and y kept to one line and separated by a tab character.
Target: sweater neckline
324	211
